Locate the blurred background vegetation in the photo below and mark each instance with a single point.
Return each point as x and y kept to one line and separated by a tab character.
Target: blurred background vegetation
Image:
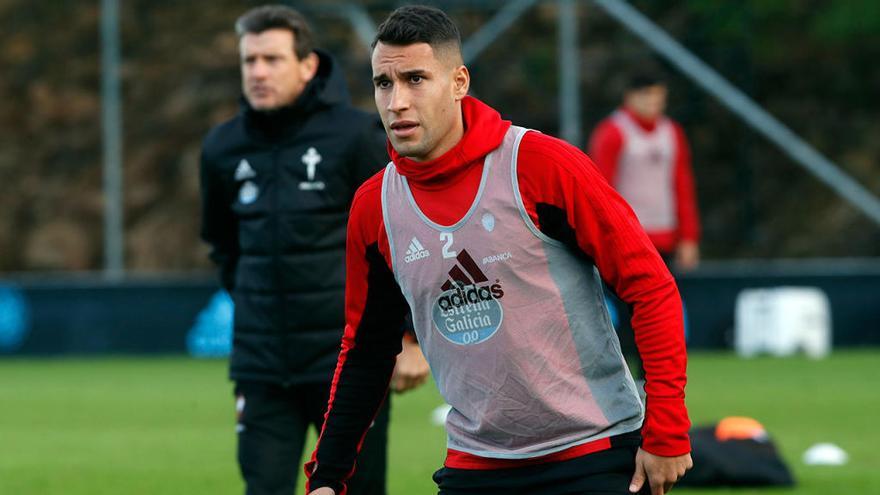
810	63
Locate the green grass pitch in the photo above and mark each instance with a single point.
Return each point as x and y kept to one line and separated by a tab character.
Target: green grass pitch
165	425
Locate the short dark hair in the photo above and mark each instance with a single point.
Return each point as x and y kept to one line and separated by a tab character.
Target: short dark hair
419	24
267	17
644	79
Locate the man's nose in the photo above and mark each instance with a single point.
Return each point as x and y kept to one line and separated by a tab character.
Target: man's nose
399	99
259	69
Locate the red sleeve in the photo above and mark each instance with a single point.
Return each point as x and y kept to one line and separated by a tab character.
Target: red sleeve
555	175
604	148
686	199
374	314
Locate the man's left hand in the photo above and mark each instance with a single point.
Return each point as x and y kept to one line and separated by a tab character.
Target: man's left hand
660	472
411	369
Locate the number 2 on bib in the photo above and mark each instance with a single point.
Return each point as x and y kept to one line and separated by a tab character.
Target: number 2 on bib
447	238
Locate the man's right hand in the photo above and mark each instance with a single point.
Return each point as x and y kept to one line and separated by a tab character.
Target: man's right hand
324	490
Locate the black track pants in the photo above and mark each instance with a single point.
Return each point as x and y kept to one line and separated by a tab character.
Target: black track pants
272	428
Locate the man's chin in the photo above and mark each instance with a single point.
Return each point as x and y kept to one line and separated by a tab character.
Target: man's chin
264	105
407	149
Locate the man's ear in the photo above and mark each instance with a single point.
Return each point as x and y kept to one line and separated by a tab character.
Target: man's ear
461	82
309	66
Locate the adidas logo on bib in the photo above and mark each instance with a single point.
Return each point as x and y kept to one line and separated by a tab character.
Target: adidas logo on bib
415	251
468	309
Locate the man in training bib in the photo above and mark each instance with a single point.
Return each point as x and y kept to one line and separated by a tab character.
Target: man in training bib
495	239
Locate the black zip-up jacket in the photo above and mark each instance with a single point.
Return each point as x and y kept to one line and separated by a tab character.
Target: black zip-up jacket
276	189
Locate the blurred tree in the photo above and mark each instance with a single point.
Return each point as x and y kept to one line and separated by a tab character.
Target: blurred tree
812	64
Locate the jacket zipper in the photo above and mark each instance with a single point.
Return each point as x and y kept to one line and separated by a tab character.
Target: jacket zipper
278	319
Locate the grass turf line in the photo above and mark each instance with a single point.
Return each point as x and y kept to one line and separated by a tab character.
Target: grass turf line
165	425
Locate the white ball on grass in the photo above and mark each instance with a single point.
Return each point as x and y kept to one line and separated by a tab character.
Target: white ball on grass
825	454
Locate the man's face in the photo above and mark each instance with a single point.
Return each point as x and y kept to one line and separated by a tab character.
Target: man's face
271	74
648	103
418	94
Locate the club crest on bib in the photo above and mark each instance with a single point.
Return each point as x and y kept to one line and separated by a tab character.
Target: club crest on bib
468	310
488	221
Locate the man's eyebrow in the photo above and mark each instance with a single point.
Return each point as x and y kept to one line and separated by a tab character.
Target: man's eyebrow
414	72
405	74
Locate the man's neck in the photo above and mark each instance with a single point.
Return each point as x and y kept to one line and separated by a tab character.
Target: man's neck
645	123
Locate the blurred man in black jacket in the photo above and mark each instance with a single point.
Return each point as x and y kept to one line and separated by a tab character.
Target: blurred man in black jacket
277	183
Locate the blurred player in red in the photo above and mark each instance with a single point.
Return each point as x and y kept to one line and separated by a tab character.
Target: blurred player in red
645	156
